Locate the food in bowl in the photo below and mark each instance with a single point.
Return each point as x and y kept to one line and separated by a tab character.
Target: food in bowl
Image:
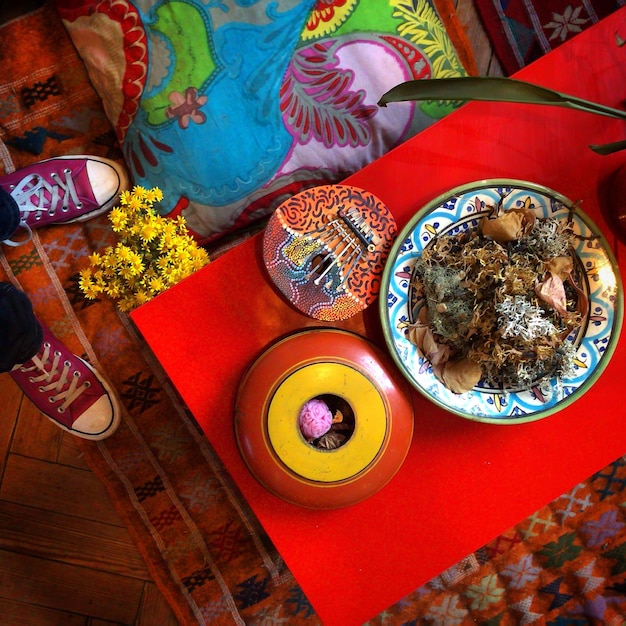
499	304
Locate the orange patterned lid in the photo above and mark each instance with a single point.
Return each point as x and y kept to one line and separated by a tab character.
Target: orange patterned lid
325	249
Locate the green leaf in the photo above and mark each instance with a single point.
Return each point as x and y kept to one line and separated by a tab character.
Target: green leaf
491	89
609	148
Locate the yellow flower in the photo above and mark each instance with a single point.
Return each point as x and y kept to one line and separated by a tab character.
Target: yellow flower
162	262
184	271
89	288
95	259
136	264
85	274
201	255
169	228
178	254
141	297
124	253
197	264
153	252
149	274
113	289
109	261
140	192
107	274
98	277
157	285
168	273
154	195
132	230
127	303
135	203
126	272
166	241
118	219
91	291
149	230
84	282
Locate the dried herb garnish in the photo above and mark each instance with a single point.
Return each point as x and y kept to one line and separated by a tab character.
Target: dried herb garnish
499	302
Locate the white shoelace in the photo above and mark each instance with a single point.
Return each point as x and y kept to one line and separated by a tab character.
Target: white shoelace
57	379
34	194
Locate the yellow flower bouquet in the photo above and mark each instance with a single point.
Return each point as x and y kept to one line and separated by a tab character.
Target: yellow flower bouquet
152	254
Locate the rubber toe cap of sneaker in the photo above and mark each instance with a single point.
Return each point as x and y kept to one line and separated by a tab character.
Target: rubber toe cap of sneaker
108	179
100	420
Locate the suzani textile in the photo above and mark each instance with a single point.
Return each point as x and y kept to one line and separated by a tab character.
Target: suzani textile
232	107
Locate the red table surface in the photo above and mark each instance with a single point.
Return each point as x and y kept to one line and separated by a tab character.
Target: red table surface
463	482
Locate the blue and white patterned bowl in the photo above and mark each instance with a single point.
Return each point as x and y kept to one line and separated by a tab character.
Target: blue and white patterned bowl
461	209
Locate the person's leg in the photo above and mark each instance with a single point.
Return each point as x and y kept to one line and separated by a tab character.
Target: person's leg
21	335
64	387
63	189
9	215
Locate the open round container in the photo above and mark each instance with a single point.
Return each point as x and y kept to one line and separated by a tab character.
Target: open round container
460	210
371	404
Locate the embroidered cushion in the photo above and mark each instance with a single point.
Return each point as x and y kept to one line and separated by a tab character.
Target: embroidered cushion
230	107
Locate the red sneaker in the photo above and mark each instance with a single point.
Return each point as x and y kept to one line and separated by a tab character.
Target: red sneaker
64	189
68	391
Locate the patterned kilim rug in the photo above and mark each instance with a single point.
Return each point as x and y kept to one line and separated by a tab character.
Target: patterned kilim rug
523	30
566	564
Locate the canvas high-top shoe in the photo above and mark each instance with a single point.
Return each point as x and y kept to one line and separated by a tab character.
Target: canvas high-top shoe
68	391
64	189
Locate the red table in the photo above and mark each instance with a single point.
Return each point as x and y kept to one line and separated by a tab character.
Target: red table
463	482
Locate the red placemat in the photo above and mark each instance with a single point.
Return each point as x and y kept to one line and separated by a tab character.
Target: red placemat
523	30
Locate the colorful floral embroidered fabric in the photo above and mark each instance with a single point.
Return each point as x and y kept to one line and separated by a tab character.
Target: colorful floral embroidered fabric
232	107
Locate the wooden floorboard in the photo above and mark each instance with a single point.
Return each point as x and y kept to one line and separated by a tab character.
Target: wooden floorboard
74	540
20	613
55	487
153	610
63	586
66	559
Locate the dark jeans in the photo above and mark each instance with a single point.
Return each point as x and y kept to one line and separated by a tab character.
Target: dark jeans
9	215
21	335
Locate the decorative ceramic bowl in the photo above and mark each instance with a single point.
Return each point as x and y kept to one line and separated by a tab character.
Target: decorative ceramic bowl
460	210
372	410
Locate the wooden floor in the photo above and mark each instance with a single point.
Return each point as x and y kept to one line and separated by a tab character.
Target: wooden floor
66	559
